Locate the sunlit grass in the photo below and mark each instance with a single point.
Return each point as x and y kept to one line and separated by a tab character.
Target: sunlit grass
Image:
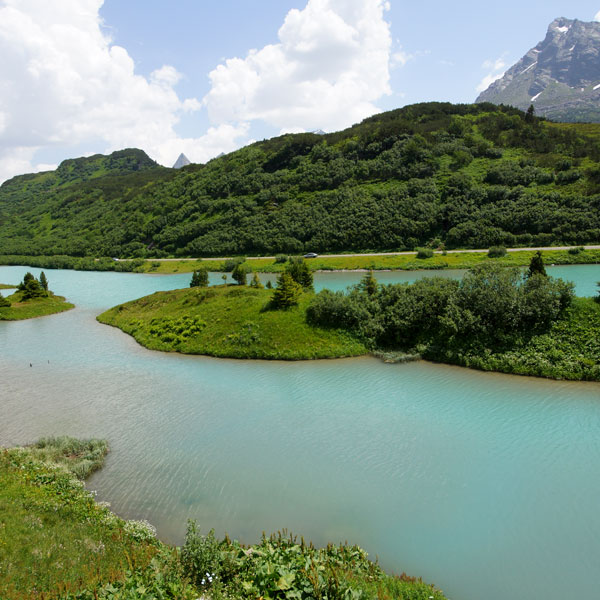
36	307
229	321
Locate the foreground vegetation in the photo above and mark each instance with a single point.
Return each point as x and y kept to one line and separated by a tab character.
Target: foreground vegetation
58	543
466	176
229	321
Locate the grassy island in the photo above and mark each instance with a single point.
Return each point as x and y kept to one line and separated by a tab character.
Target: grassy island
32	299
229	321
21	309
7	286
58	543
495	319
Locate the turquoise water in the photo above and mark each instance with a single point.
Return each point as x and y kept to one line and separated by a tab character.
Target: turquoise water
482	483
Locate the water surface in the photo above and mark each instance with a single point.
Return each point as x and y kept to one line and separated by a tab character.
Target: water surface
485	484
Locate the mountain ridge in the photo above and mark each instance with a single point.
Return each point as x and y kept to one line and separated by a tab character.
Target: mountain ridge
560	76
467	176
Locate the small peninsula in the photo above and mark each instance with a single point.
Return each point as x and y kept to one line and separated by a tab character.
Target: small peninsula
229	322
495	319
56	535
31	300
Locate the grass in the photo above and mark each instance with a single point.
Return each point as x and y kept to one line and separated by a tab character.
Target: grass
229	322
56	543
569	350
81	457
30	309
7	286
410	262
55	539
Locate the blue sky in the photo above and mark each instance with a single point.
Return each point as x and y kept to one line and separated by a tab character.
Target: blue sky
86	76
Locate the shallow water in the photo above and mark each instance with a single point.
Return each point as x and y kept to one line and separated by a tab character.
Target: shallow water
485	484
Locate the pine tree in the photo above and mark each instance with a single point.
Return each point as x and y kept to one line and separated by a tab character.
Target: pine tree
368	283
287	292
256	283
199	278
43	281
31	288
240	273
4	302
530	114
26	279
536	265
300	273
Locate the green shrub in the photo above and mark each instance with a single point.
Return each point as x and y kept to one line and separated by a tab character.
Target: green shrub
231	263
240	273
281	258
424	252
577	250
497	252
200	556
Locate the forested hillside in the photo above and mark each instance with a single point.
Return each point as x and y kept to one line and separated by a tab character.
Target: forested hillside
462	175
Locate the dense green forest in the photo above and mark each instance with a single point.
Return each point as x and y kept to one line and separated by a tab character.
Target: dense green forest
424	175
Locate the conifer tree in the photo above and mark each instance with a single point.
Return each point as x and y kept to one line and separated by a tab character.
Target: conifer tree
256	283
530	114
368	283
199	278
536	265
240	273
300	273
43	281
4	302
31	287
287	292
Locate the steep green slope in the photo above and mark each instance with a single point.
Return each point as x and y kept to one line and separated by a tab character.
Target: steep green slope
465	175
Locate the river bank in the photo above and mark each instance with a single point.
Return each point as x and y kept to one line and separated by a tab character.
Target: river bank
59	543
238	322
440	260
33	308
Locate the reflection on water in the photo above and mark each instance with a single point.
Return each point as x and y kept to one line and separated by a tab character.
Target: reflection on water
485	484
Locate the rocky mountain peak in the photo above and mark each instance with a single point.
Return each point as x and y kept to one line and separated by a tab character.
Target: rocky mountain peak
560	76
182	161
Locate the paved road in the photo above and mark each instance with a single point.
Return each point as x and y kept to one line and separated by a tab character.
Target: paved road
485	250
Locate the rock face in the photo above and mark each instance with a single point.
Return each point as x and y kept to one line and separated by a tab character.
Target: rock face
182	161
560	76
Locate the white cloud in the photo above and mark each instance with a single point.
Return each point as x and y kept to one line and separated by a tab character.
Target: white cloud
496	68
331	64
62	83
597	17
400	58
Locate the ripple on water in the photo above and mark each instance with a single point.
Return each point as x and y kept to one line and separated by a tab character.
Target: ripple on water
483	483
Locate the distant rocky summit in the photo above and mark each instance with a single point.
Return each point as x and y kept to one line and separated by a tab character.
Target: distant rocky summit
182	161
560	76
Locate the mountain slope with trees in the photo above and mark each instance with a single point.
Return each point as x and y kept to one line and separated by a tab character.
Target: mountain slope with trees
428	174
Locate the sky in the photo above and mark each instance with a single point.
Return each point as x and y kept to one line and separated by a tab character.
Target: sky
80	77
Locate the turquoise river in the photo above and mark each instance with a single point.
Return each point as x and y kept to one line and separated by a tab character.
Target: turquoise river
487	485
